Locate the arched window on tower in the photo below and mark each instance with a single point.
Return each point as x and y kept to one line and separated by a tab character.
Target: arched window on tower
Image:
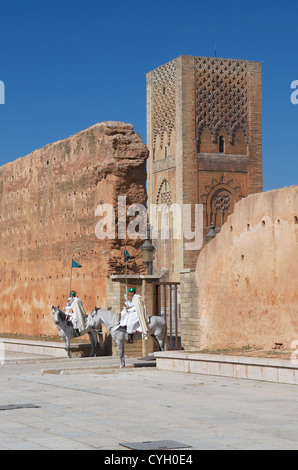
221	144
222	205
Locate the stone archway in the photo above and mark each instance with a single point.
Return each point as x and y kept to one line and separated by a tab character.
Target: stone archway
220	204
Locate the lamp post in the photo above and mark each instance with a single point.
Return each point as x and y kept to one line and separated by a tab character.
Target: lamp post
148	250
211	234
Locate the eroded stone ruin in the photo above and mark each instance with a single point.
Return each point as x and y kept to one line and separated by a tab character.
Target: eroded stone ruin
48	201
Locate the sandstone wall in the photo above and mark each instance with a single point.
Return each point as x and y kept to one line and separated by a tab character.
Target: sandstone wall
47	217
247	276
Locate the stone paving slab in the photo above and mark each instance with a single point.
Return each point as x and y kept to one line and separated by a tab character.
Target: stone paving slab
97	406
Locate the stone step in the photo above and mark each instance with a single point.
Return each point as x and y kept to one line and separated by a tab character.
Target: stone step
43	348
252	368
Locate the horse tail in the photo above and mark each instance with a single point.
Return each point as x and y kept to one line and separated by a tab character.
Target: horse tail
165	339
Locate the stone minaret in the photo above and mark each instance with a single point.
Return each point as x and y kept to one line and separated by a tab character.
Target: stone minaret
204	134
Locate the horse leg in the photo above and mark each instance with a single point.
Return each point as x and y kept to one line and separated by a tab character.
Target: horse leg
158	343
120	346
93	340
66	338
161	340
67	343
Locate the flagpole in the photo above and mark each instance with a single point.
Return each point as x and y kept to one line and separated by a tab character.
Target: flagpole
126	260
70	277
74	264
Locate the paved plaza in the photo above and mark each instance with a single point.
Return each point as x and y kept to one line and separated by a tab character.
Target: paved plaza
90	404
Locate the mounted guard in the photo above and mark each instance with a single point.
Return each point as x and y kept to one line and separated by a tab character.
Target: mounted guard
76	313
134	317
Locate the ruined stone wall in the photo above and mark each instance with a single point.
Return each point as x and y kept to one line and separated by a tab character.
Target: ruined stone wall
47	217
247	276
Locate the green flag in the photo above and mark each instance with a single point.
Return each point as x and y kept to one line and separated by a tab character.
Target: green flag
76	265
126	256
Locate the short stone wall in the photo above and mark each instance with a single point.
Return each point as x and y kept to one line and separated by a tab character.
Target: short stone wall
189	305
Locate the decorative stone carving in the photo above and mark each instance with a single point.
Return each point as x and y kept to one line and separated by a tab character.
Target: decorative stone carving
221	96
219	199
164	195
163	102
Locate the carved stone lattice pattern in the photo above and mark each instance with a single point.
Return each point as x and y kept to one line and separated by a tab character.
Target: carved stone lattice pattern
164	195
221	96
166	198
222	203
163	102
221	207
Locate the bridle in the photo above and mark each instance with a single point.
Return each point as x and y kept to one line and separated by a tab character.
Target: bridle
59	316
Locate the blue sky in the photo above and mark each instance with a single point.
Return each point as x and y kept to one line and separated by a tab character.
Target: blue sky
67	65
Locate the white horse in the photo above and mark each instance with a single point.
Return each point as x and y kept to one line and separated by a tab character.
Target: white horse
67	331
157	328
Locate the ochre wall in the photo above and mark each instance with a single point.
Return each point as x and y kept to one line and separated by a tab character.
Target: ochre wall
47	216
247	275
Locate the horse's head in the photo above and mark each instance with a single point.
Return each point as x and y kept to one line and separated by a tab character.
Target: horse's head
56	314
94	311
93	317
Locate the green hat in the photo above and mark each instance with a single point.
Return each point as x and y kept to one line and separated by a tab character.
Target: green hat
133	289
73	292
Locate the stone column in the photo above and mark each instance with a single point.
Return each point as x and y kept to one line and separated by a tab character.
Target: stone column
189	298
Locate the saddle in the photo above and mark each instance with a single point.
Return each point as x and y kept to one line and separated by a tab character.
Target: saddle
123	328
118	327
69	320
